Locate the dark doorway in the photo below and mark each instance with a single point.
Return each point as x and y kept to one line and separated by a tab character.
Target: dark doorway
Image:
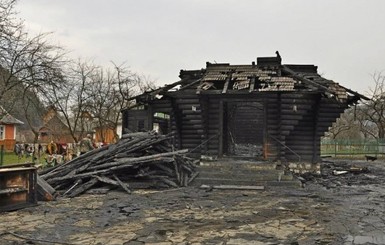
245	129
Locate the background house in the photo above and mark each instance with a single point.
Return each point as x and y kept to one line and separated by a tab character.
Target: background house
8	129
265	110
54	129
105	135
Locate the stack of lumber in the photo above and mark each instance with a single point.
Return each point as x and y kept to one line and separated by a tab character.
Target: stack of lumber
137	160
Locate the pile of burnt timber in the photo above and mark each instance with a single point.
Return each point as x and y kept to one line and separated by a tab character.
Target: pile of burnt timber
137	160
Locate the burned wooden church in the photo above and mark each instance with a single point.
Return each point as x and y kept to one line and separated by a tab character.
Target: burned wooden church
264	110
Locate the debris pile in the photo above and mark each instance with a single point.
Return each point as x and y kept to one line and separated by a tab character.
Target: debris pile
138	160
341	173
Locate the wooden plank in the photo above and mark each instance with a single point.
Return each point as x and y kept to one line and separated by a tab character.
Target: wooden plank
190	146
252	84
233	187
45	192
193	127
192	131
178	122
196	107
192	141
84	187
287	127
191	98
226	85
195	116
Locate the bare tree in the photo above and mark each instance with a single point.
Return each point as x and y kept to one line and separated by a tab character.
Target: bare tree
108	95
131	83
105	101
93	97
26	65
24	60
69	96
85	95
346	127
371	114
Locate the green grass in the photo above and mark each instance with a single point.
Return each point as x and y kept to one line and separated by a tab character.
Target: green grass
11	158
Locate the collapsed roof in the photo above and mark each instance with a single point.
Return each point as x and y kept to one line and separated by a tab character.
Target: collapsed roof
267	75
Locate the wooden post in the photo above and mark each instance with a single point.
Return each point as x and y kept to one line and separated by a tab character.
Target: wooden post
204	101
335	148
124	121
281	154
150	116
178	122
1	155
220	128
316	149
265	133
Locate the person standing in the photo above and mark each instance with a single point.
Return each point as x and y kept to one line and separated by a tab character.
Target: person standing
86	144
39	150
19	150
52	151
51	148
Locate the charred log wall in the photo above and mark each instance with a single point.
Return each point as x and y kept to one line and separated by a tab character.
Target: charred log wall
212	126
186	119
273	131
306	120
293	123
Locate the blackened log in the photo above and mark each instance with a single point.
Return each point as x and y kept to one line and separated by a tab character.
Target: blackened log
192	177
67	167
138	135
177	171
129	160
84	187
168	182
144	158
106	180
123	185
166	169
77	176
185	180
146	173
104	170
79	181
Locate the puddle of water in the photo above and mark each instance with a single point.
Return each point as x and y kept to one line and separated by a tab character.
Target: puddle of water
365	240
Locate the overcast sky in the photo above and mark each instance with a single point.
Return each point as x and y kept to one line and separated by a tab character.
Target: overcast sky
157	38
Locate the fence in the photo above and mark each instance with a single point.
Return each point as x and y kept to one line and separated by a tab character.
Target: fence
353	148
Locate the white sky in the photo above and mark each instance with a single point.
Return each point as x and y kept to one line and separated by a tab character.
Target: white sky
157	38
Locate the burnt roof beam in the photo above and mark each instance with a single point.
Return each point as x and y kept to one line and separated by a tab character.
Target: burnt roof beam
307	81
156	91
252	84
355	93
323	88
226	85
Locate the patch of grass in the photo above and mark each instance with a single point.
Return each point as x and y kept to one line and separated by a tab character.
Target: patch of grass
12	158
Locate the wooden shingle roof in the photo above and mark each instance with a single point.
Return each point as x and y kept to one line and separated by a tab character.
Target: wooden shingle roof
6	118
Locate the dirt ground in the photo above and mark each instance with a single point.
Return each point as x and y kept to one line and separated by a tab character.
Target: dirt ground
329	209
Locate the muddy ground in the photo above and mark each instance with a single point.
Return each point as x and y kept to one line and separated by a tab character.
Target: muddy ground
344	209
